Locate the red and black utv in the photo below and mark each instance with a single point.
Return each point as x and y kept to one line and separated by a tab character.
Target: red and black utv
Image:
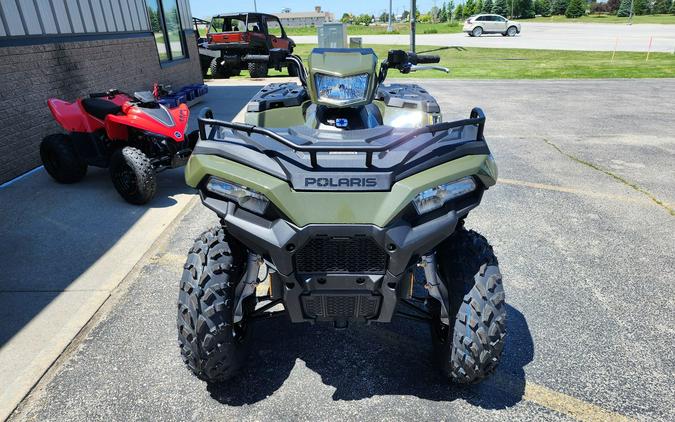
239	41
133	135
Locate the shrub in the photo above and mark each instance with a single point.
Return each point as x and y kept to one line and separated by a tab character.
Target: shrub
576	9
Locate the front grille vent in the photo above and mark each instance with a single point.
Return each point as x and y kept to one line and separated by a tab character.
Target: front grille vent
341	307
354	254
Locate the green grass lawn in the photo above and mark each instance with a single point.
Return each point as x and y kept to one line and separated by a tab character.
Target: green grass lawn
665	19
497	63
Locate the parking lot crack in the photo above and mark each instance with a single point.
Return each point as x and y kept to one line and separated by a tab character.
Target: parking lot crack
615	176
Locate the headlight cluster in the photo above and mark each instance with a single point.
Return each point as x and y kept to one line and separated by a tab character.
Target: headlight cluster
341	90
435	198
243	196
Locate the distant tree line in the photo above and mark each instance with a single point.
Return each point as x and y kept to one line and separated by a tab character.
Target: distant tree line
524	9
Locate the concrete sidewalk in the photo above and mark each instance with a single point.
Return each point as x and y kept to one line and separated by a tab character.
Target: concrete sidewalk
65	248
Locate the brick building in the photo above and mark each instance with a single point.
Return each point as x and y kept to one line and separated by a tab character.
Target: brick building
315	18
69	48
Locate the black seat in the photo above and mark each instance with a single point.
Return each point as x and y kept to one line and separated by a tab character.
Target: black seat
100	108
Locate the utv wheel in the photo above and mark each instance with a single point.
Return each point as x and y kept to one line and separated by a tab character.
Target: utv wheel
470	350
217	69
292	69
257	70
477	31
211	345
61	160
512	31
133	175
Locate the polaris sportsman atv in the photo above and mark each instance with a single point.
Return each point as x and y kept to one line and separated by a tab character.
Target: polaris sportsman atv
133	135
340	195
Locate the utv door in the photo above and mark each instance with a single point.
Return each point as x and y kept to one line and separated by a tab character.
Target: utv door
276	33
256	33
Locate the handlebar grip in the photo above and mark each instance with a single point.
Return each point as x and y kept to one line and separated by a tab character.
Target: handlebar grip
98	95
428	58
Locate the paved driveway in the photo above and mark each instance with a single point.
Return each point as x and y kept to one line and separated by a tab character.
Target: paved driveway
550	36
583	226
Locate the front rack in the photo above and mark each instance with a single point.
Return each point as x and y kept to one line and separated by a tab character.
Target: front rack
476	118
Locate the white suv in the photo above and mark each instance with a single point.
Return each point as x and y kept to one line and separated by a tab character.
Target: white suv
478	25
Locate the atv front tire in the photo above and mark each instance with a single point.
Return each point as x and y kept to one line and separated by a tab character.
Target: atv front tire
61	160
257	70
133	175
211	346
469	351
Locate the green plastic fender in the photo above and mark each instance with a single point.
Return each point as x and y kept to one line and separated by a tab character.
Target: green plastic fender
303	208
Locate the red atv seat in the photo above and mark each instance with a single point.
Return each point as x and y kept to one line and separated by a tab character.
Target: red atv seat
100	108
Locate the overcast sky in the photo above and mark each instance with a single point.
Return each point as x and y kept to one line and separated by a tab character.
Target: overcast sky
205	8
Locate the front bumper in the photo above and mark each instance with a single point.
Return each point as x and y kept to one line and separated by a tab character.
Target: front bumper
338	272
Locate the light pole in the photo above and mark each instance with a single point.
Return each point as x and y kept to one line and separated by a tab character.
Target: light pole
389	27
512	1
413	8
255	6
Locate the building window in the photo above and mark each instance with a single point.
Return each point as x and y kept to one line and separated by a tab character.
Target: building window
166	27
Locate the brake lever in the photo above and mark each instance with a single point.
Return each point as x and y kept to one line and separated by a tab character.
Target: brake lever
415	68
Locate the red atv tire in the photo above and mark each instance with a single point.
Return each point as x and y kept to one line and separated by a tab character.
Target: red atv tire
61	160
133	175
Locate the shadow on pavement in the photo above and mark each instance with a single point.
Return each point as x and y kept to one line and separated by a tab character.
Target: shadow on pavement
53	233
366	361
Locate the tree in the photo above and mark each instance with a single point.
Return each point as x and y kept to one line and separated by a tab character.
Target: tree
405	15
640	7
559	7
661	7
487	6
451	8
346	18
443	14
384	17
613	5
469	8
672	8
364	19
576	9
500	7
459	12
624	9
524	9
542	7
478	8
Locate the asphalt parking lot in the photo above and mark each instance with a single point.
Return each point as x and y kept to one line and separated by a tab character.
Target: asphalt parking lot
583	224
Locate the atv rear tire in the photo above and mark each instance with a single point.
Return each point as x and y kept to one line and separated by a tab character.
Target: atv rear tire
133	175
211	345
469	351
218	70
257	70
61	160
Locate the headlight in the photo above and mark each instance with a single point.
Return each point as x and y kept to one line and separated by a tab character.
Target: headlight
432	199
341	90
244	197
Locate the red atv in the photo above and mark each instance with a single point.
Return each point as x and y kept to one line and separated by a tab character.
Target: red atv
133	135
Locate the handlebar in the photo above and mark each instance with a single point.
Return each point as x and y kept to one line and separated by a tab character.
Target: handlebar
426	59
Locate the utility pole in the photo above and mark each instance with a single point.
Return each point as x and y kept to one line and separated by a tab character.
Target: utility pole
255	6
512	1
389	27
413	10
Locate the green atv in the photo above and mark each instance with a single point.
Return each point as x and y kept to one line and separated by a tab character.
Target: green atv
342	200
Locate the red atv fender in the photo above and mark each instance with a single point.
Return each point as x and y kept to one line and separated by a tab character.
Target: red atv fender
145	119
72	116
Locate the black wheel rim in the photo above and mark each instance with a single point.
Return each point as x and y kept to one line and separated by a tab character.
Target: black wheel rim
125	179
